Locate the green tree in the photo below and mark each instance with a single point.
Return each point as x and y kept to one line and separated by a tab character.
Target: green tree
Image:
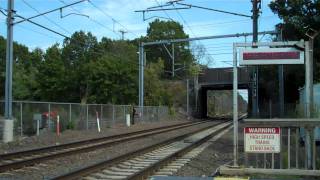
24	70
162	30
77	53
298	17
154	87
52	76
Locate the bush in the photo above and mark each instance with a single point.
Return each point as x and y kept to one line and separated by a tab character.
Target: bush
172	111
71	125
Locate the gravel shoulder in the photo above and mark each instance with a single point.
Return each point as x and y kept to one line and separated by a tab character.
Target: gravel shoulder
205	164
50	138
63	165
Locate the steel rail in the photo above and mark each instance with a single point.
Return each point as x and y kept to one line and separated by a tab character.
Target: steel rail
154	167
108	163
84	146
82	142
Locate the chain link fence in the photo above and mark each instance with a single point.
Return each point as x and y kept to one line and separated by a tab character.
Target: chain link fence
78	116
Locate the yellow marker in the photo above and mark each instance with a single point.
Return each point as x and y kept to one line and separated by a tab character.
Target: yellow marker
230	178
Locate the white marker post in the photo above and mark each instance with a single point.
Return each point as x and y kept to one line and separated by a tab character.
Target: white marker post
98	121
58	125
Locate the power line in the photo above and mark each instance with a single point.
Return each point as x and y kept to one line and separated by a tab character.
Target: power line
229	22
37	24
210	9
96	51
163	10
93	20
215	54
207	25
185	22
30	6
44	27
38	32
109	16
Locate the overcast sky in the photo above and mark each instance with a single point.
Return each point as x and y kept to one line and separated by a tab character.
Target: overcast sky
119	15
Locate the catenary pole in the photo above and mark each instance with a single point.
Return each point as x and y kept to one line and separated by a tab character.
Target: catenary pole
8	123
255	16
281	81
8	118
235	107
168	41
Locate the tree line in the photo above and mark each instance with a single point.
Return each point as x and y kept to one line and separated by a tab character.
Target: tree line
86	70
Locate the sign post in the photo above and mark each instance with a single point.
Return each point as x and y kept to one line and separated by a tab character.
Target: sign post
266	53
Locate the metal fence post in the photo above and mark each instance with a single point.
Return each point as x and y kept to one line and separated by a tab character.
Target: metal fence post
124	113
308	148
280	153
21	120
142	113
101	110
113	113
297	147
272	161
264	160
49	116
87	117
314	159
289	154
70	113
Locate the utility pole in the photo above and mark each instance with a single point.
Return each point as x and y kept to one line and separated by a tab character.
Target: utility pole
122	33
310	146
281	80
141	74
188	97
256	4
8	118
8	122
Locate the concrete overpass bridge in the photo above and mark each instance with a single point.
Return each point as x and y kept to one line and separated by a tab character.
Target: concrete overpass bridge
217	79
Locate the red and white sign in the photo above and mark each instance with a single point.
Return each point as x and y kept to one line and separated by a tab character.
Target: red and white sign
256	56
262	139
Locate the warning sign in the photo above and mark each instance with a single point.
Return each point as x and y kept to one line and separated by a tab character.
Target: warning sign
262	139
263	56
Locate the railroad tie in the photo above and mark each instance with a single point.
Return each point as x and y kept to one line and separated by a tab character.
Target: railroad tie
122	169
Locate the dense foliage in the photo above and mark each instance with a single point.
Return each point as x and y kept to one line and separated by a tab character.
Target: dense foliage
84	69
299	17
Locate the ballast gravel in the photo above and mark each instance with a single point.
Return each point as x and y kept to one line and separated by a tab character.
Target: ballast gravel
50	138
52	168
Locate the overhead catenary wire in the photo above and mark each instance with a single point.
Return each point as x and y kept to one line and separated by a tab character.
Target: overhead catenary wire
113	19
37	24
185	22
93	20
37	32
48	19
172	19
96	51
42	26
227	22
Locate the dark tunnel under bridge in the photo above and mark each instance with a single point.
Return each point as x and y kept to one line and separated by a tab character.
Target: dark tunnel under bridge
217	79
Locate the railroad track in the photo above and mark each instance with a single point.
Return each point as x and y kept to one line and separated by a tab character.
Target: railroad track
21	159
142	163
